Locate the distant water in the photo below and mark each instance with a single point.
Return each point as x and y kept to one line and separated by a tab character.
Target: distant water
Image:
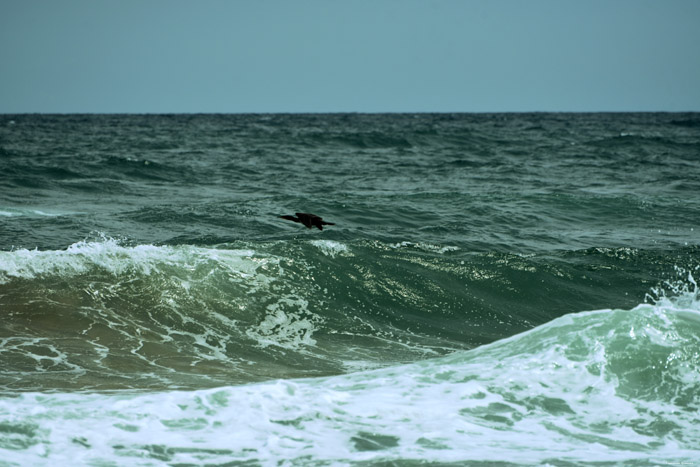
501	289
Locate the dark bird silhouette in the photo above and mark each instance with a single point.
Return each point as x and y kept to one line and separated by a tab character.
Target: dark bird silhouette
309	220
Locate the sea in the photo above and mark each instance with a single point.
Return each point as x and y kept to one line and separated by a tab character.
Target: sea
512	289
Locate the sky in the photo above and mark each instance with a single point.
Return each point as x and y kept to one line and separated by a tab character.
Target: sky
241	56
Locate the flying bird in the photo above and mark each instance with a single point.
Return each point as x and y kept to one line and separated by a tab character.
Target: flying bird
309	220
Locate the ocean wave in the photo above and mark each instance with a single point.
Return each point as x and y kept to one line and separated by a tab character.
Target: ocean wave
190	316
441	320
608	385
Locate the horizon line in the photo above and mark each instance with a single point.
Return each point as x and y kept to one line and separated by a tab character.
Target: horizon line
352	112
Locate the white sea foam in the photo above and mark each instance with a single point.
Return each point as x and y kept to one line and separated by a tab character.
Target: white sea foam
331	248
110	256
429	247
287	323
29	212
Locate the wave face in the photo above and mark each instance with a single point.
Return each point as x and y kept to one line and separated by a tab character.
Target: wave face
497	289
103	316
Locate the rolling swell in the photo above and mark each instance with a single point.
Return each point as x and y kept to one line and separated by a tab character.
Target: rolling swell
104	315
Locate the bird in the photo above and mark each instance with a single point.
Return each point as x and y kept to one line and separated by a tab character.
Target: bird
309	220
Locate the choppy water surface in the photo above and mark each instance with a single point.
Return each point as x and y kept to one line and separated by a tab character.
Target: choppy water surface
511	288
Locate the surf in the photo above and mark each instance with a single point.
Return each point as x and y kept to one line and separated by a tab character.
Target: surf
609	384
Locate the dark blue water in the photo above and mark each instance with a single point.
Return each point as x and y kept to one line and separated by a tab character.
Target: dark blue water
515	288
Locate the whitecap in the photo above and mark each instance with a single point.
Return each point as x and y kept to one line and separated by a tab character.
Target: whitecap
331	248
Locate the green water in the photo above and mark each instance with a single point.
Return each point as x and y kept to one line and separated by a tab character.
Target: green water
452	300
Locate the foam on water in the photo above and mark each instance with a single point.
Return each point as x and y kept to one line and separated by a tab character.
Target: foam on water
608	386
426	247
110	256
288	324
331	248
24	212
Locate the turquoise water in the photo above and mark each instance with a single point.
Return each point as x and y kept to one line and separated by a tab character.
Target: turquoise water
516	289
